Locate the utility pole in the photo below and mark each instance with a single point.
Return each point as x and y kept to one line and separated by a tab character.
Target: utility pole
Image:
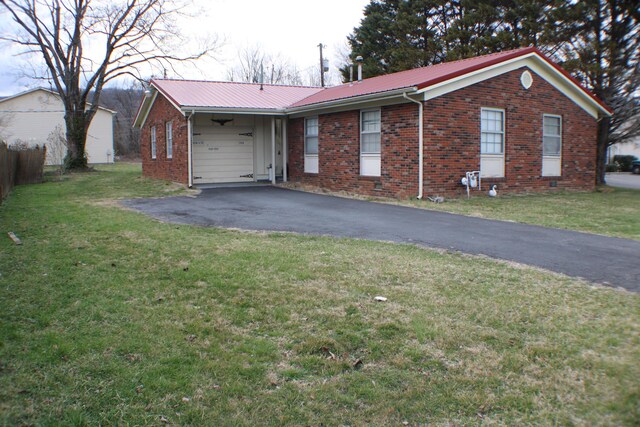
321	66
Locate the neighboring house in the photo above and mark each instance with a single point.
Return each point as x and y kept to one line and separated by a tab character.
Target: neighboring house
36	117
515	116
630	148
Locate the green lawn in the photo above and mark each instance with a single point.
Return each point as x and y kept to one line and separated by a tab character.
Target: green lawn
609	211
109	317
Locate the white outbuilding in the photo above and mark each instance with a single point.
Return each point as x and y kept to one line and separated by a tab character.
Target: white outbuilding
36	117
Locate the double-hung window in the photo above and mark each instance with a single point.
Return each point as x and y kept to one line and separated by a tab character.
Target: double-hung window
492	142
370	150
551	145
169	138
153	142
311	145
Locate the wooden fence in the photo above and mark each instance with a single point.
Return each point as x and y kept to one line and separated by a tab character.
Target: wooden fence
24	166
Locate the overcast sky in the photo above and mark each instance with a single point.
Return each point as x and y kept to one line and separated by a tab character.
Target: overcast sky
290	28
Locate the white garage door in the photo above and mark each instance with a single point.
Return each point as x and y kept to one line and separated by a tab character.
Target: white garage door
222	155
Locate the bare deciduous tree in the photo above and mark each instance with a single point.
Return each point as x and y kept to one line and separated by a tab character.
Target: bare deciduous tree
56	147
5	119
255	66
124	99
87	43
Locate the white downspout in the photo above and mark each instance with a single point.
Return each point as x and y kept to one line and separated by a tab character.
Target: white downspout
189	148
285	147
420	144
273	150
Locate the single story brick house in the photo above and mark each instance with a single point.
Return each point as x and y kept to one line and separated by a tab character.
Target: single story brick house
514	118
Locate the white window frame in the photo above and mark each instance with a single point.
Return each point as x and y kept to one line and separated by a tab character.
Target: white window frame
311	159
492	164
551	163
153	143
370	162
169	139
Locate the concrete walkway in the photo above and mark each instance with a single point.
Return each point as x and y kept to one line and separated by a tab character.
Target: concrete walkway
606	260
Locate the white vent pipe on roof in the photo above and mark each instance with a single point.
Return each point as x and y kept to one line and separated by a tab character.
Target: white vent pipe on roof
359	60
420	145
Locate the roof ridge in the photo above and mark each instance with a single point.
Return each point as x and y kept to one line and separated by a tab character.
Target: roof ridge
414	70
51	91
471	58
237	83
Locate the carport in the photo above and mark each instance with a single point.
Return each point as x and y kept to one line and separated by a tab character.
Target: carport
231	148
199	132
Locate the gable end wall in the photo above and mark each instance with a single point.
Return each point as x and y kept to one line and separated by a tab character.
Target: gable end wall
175	169
452	137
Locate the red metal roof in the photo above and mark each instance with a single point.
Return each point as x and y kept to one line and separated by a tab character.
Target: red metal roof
206	94
417	77
231	95
421	78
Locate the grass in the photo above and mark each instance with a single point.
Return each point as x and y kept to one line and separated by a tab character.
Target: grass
109	317
608	211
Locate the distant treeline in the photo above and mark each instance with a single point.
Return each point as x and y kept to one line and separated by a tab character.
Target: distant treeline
125	101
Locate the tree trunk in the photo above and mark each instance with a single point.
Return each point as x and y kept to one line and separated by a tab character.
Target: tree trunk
76	158
603	144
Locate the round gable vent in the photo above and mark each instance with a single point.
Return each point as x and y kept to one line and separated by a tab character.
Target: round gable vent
526	79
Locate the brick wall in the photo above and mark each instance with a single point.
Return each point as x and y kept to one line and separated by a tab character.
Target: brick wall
339	153
452	135
452	143
176	168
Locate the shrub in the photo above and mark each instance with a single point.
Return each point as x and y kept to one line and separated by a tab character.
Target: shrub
624	161
613	167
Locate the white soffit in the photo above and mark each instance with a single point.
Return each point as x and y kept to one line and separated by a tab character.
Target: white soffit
536	64
145	109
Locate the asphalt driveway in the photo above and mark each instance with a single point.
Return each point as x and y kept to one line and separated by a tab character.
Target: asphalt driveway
623	180
606	260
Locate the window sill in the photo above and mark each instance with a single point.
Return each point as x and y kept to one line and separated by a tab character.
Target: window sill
369	177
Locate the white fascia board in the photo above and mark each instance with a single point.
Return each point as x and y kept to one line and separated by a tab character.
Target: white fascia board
369	100
533	62
28	91
249	111
141	118
153	99
107	110
56	94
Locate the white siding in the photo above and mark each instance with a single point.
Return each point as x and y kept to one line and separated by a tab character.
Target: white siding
33	116
223	154
631	148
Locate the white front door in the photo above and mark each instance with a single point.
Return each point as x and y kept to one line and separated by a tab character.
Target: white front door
223	154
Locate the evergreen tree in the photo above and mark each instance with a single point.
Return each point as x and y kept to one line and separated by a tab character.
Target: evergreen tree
598	41
605	57
375	39
397	35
